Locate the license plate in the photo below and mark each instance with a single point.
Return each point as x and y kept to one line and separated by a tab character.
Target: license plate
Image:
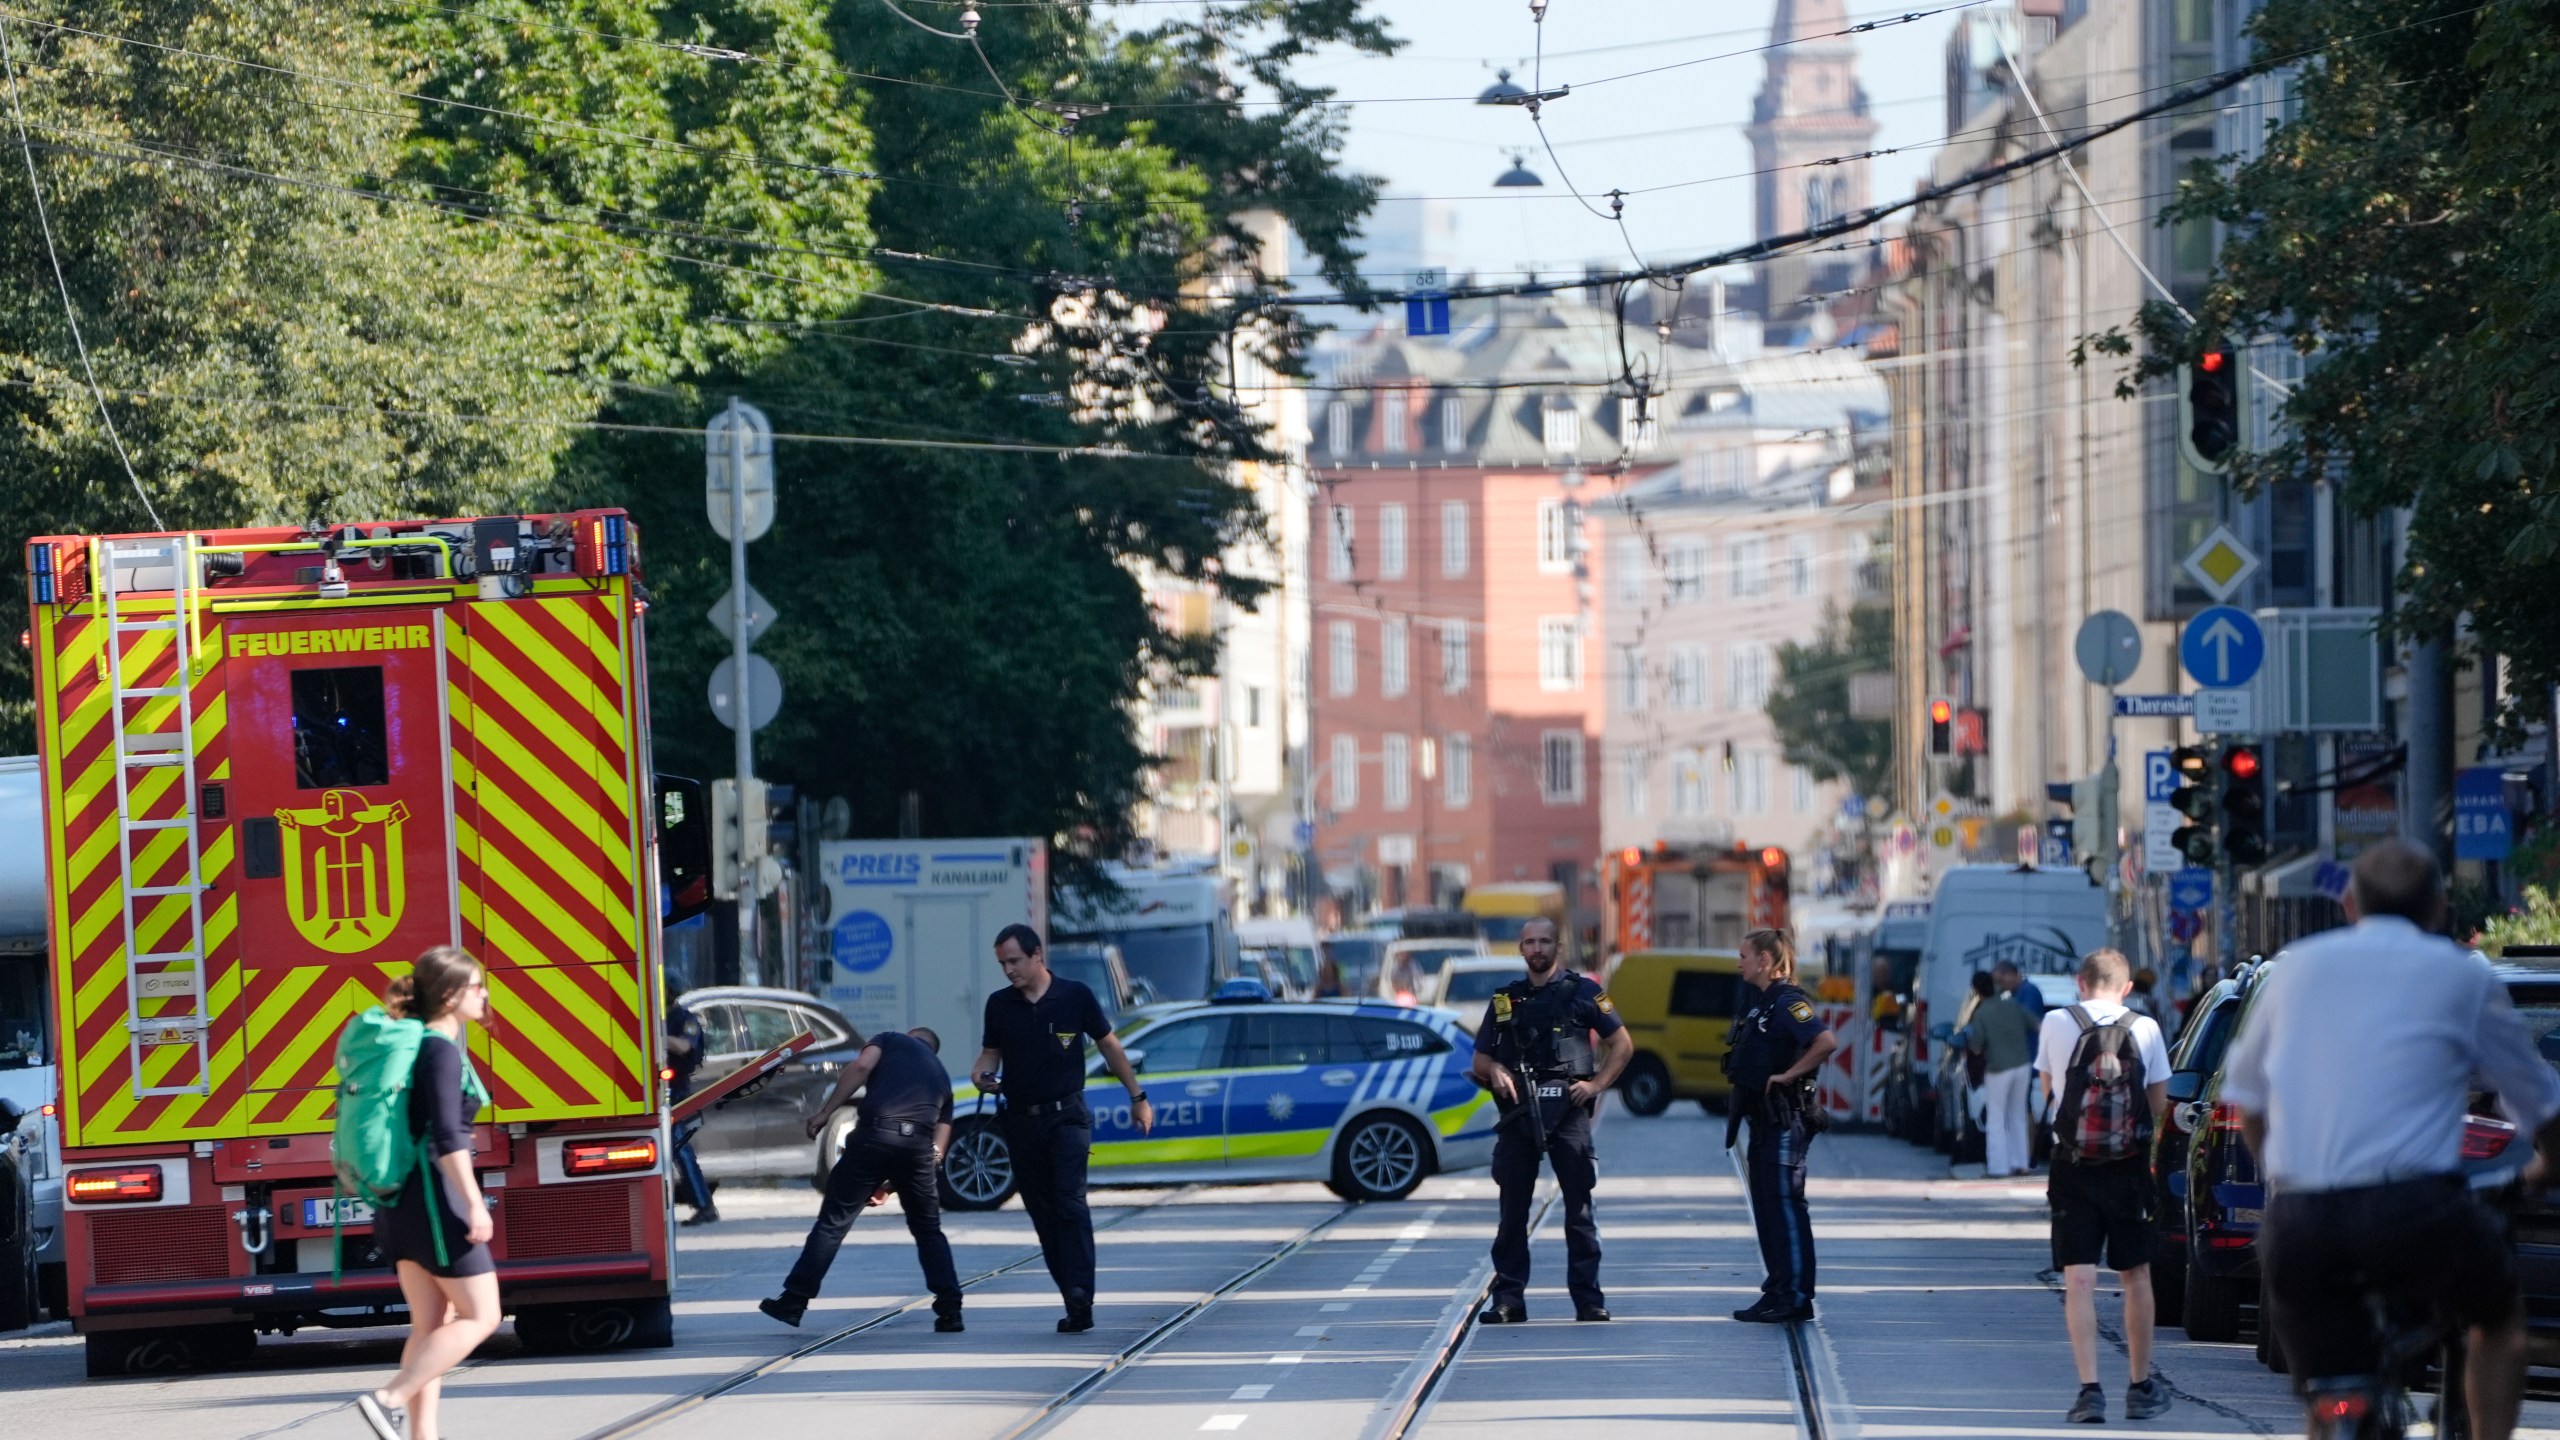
329	1210
1551	1092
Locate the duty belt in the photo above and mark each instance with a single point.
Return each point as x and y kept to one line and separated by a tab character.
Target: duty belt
903	1129
1048	1107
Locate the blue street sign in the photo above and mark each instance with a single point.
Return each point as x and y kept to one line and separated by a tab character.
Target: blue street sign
2154	706
1303	833
2222	647
2191	889
2482	829
1426	315
2159	775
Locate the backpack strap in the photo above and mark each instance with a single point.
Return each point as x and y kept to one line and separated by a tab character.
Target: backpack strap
2080	1016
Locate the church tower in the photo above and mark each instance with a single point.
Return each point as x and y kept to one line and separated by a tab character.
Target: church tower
1810	108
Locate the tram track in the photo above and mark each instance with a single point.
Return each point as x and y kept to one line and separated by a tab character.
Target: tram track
1821	1402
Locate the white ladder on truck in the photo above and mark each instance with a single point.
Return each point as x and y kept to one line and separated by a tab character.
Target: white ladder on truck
176	973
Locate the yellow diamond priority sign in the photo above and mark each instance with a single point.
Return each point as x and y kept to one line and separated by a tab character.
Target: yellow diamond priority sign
2221	564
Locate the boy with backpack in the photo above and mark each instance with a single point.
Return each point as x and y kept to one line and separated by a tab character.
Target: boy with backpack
2106	1072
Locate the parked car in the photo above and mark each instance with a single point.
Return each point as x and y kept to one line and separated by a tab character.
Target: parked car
1289	939
1411	969
1099	968
763	1133
1679	1005
1368	1098
1465	982
2193	1058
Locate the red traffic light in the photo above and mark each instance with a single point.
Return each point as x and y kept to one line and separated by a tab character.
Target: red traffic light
2213	361
1940	712
1773	858
2242	764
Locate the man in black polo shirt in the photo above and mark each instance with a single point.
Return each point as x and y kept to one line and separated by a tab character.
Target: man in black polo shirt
1036	1029
900	1131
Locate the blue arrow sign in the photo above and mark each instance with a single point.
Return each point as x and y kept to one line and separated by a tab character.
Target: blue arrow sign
2222	647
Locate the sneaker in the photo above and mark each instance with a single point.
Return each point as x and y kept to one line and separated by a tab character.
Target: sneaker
1503	1313
948	1324
386	1422
1595	1313
787	1308
707	1215
2090	1408
2147	1399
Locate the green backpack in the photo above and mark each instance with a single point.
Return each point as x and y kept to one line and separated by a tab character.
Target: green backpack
374	1151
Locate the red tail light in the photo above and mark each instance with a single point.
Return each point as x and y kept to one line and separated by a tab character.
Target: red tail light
608	1157
2226	1117
2484	1138
2339	1408
137	1186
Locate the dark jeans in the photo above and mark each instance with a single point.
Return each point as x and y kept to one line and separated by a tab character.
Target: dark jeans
1776	1166
2424	1245
691	1188
1050	1153
864	1167
1515	1169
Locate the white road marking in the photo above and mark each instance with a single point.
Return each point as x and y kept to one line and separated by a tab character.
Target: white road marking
1223	1422
1336	1305
1293	1359
1355	1289
1250	1392
1311	1332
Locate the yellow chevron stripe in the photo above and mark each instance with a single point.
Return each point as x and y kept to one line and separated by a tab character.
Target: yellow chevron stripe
288	990
319	1034
529	1027
600	890
607	713
606	646
503	747
526	893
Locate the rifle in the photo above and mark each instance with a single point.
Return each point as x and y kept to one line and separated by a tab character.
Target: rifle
1521	1076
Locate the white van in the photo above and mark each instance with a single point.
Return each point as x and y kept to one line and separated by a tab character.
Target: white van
2042	921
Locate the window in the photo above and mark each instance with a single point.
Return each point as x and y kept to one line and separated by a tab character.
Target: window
1628	563
338	734
1704	994
1395	779
1800	786
1453	657
1453	537
1688	687
1748	675
1559	652
1458	777
1392	413
1561	427
763	1027
1688	783
1560	770
1184	1045
1345	657
826	1024
1253	707
1684	573
1558	520
1392	669
1746	562
1751	783
1800	565
1637	433
1631	678
1632	780
1390	542
1337	550
1453	425
719	1029
1337	428
1346	771
1284	1037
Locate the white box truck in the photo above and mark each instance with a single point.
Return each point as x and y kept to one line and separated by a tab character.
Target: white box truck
911	929
31	1240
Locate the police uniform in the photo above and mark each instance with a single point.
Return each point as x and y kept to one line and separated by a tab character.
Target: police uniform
1546	1028
1047	1127
1775	1028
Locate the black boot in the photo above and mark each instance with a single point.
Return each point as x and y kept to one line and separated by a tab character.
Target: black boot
786	1307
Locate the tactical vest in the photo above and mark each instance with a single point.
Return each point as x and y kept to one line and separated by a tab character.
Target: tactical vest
1539	1030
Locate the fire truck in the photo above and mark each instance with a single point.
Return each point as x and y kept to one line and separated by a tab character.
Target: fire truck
1703	897
276	765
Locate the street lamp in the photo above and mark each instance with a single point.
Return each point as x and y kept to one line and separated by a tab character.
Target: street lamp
1519	174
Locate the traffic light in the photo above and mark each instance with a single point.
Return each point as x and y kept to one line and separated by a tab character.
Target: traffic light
2209	410
727	844
1942	728
2194	798
1773	865
2244	806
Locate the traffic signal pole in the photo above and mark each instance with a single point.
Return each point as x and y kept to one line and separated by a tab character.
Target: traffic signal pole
750	964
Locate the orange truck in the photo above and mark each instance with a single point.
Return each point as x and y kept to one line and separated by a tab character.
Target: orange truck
1701	897
276	764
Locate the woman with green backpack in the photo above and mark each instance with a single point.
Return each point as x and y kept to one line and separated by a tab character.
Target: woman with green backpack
437	1229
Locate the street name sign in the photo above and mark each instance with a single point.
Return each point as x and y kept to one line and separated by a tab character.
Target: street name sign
2155	706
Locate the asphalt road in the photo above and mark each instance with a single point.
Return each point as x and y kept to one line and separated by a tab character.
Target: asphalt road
1278	1310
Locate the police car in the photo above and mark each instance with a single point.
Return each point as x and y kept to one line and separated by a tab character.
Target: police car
1366	1096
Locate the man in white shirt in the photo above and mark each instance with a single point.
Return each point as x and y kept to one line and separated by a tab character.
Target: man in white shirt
2100	1185
2352	1073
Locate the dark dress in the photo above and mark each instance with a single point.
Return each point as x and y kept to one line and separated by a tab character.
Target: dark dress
436	1111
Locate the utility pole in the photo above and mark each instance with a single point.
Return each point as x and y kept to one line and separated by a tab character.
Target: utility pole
745	691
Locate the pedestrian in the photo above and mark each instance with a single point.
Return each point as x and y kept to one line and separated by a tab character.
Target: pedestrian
2014	984
1328	980
900	1131
2353	1077
2005	1038
2109	1071
684	1057
1777	1045
1534	1052
2145	998
1033	1061
449	1282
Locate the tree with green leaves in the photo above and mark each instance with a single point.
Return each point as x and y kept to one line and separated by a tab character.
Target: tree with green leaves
2398	231
1809	706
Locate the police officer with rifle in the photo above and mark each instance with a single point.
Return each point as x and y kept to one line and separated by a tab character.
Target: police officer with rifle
1777	1047
1534	1052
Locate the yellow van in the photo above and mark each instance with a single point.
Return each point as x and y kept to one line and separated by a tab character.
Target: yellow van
1679	1005
1501	910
